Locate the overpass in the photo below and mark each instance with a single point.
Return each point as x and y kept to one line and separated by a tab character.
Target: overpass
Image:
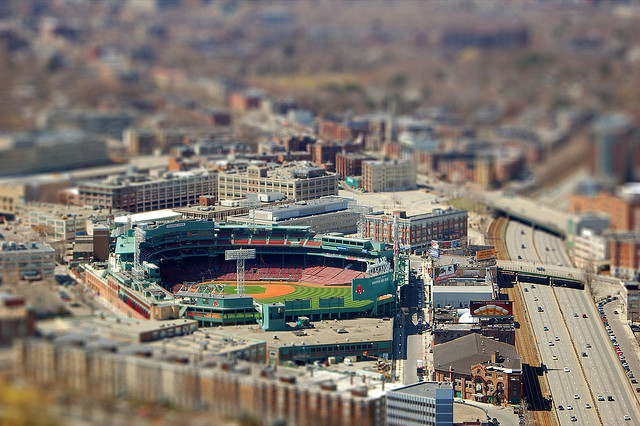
527	211
551	275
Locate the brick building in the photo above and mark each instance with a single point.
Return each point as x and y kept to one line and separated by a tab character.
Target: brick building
417	231
350	163
341	131
480	369
625	255
245	100
622	208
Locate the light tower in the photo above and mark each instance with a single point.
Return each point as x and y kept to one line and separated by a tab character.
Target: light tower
239	256
396	246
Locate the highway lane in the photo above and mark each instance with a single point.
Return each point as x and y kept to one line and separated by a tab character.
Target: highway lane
563	384
519	240
602	366
551	249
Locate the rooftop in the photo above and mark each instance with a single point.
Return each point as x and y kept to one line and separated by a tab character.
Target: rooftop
424	389
148	216
320	333
464	352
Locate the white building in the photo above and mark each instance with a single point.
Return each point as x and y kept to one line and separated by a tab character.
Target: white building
427	403
458	293
326	214
590	250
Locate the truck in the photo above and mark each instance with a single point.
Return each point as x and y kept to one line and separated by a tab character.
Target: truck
420	367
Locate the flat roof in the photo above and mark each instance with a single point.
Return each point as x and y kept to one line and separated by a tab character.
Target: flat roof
424	389
166	214
320	333
462	288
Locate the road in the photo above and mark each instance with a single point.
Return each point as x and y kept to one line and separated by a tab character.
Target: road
625	339
601	366
555	342
412	344
599	372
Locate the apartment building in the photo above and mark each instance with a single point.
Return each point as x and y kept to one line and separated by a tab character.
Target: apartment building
142	193
388	175
297	182
417	231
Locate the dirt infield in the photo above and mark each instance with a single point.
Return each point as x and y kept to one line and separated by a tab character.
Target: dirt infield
270	283
270	290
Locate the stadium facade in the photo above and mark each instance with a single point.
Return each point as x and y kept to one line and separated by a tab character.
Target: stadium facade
178	270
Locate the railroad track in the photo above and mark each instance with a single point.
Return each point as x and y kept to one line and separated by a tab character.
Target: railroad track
535	384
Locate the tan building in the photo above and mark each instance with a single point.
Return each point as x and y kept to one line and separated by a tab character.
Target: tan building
388	175
297	182
60	222
142	193
214	380
14	191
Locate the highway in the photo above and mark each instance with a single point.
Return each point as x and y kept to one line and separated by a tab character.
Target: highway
563	385
599	372
601	366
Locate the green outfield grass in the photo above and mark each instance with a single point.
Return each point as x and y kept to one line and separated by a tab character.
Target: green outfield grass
315	293
302	292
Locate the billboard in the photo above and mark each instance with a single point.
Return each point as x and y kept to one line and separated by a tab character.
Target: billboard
444	272
371	288
491	308
485	254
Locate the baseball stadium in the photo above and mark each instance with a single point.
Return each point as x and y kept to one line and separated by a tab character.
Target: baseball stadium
187	269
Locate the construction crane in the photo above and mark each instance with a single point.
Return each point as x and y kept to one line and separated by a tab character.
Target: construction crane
383	365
